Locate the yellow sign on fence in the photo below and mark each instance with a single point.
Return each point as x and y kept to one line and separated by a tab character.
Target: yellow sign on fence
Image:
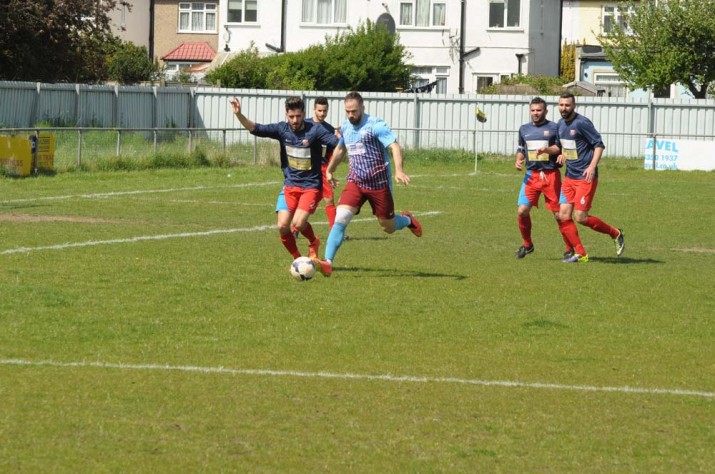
19	155
16	155
45	153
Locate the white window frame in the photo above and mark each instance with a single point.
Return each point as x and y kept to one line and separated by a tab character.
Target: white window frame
616	14
507	13
477	78
324	12
245	11
431	13
206	15
423	75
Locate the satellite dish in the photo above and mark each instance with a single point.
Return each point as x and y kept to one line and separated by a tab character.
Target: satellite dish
387	21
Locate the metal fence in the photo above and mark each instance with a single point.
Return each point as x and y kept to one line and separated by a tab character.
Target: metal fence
421	120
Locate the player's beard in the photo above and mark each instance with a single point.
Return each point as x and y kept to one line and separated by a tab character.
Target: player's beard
356	120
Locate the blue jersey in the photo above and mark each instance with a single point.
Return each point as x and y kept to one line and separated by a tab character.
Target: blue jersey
367	150
327	149
301	151
578	140
531	138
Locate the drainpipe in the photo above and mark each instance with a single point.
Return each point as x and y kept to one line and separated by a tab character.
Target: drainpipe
282	47
519	58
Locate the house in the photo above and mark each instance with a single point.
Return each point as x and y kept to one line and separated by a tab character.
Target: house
584	21
185	34
455	45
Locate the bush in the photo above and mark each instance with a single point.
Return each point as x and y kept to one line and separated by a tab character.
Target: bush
130	64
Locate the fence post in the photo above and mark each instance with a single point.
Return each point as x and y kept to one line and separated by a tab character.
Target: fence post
79	150
416	124
77	113
223	147
119	142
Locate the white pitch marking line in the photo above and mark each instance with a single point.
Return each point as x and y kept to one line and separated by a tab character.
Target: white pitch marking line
135	192
181	235
349	376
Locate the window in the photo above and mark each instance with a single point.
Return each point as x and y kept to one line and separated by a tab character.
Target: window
429	79
242	11
615	15
423	13
324	12
484	82
504	13
197	17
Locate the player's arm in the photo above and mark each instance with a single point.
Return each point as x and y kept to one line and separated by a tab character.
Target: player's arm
249	125
550	150
520	158
590	172
396	151
339	154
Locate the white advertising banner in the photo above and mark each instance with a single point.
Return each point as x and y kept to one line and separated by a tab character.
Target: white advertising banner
679	155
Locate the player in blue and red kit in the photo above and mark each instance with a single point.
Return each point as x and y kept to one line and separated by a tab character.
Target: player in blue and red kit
582	148
368	142
539	147
301	145
320	112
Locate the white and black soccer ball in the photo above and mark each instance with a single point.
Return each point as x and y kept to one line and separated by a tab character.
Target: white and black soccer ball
302	269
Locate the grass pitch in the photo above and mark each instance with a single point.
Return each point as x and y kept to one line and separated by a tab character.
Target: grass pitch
150	325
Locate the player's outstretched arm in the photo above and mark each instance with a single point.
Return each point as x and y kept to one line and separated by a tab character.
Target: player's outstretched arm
249	125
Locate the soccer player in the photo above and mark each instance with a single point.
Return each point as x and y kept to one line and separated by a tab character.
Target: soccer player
320	111
582	148
539	148
368	142
301	144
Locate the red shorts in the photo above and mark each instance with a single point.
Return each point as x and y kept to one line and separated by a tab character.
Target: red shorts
546	182
302	198
327	188
579	192
383	207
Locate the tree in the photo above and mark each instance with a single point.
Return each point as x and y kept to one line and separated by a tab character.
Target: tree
130	64
55	40
665	42
368	58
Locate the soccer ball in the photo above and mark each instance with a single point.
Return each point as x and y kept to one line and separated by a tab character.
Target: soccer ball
302	269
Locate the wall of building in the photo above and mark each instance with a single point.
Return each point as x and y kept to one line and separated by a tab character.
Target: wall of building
166	33
132	24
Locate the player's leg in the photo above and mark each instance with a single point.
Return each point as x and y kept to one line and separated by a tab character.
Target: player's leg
566	223
552	199
284	218
308	200
585	194
383	207
351	199
527	196
328	199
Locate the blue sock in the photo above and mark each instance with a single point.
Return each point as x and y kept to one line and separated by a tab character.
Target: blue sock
335	240
401	222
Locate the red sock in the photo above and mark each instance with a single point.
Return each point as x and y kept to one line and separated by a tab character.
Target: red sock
525	228
307	232
330	211
289	243
599	226
570	234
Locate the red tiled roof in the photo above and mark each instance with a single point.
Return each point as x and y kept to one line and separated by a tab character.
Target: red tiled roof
191	52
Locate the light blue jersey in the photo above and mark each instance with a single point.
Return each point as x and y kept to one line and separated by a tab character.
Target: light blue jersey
367	150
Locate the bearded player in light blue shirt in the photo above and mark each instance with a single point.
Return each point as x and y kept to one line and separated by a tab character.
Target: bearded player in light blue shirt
368	142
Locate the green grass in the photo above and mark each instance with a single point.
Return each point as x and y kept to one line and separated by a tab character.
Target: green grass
454	304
